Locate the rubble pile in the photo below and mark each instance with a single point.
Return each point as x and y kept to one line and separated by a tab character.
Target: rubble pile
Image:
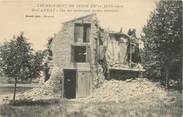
139	90
45	91
49	89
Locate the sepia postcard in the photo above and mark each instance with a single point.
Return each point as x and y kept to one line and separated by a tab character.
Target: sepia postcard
91	58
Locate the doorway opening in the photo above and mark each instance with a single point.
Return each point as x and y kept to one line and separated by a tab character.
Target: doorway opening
69	83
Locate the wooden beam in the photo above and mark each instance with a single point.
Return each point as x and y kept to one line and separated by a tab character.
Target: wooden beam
127	69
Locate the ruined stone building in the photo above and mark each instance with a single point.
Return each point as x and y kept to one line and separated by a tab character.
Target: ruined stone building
86	54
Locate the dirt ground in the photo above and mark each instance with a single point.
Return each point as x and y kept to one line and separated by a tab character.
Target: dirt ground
131	98
73	108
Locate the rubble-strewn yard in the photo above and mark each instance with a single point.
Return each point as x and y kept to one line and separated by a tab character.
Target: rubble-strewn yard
139	90
132	97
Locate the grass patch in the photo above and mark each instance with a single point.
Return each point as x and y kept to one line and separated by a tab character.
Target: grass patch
67	108
29	102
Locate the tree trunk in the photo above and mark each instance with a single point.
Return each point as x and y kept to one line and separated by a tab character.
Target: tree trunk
167	77
182	63
14	94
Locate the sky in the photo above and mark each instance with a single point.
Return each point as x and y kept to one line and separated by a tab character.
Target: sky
129	14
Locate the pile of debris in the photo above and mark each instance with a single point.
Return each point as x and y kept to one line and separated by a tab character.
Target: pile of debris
139	90
50	89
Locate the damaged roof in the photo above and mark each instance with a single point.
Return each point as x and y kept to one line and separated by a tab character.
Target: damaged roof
119	34
79	18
